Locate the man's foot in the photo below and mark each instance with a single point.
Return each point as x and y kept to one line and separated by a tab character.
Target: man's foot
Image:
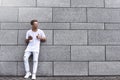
27	75
33	76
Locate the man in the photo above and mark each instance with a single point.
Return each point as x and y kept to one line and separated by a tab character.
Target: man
34	37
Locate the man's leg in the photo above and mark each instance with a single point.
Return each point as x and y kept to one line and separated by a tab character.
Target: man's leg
26	62
35	64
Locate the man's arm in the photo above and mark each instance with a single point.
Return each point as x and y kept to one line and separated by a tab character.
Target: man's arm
43	39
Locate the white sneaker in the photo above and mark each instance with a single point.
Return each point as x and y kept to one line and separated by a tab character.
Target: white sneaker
33	76
28	74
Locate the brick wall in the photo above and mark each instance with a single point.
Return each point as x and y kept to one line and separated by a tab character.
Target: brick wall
83	36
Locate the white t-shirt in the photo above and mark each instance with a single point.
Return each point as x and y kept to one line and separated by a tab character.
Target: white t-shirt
34	44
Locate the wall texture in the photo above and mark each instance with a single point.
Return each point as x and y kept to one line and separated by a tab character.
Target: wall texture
83	36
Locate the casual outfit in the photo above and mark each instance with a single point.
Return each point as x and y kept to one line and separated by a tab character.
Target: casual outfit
33	47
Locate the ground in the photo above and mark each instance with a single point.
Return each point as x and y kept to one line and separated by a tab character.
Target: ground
63	78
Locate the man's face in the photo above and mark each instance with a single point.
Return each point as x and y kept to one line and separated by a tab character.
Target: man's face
35	25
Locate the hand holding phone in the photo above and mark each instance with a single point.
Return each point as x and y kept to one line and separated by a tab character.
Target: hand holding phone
38	36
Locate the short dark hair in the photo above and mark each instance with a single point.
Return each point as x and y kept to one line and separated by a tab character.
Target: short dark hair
32	21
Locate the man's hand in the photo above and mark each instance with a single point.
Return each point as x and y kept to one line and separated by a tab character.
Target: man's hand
43	39
29	38
39	37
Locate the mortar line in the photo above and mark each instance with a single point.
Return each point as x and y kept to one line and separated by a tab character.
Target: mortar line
61	45
87	37
52	37
70	4
69	61
61	7
66	22
52	15
88	68
17	37
105	54
17	68
36	3
86	15
53	68
70	53
104	3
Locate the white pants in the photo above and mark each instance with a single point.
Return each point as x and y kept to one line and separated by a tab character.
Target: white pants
35	61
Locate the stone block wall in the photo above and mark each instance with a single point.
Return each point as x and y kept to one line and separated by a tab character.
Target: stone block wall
83	36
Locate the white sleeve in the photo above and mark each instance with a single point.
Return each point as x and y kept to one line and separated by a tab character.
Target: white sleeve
27	35
43	34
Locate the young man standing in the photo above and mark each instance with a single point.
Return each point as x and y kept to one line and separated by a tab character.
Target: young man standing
33	38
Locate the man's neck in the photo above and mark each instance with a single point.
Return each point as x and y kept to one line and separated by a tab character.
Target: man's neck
34	30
